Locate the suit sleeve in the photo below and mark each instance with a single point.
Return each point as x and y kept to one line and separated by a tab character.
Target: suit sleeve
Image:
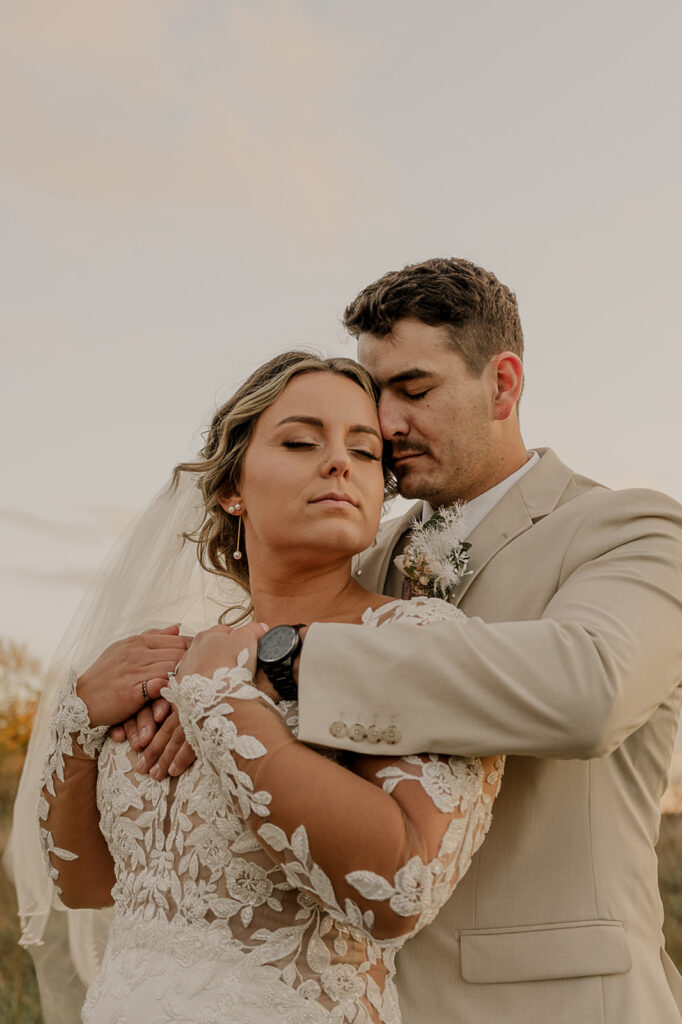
606	653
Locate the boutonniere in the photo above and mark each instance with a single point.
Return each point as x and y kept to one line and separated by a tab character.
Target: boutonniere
436	558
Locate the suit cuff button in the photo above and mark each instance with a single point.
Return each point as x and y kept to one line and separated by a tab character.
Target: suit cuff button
374	734
357	732
392	734
338	729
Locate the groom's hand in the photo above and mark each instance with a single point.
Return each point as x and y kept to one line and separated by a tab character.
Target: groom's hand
168	753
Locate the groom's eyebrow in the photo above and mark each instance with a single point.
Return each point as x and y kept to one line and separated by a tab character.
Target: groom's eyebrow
414	374
357	428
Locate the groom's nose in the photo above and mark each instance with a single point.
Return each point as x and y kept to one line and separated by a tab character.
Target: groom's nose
391	418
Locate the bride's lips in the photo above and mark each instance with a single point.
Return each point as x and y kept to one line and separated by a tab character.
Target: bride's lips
335	500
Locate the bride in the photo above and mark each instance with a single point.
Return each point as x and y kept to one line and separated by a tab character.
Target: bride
270	882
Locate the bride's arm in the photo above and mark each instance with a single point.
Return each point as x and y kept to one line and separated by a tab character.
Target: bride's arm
381	846
78	858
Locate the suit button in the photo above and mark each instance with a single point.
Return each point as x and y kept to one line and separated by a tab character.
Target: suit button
392	734
338	729
357	732
374	734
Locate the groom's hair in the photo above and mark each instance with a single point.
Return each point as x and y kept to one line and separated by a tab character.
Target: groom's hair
478	311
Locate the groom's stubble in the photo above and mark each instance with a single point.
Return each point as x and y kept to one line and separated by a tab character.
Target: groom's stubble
446	440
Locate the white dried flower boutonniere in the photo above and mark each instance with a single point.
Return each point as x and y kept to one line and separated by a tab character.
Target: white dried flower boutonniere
436	558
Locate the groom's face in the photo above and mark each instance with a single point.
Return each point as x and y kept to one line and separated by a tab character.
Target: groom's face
436	416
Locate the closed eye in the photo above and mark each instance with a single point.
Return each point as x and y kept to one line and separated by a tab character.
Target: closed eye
366	454
299	444
415	396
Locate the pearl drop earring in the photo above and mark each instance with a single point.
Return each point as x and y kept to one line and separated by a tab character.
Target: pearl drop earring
236	554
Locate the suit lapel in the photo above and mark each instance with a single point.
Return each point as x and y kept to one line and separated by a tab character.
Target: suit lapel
504	523
535	495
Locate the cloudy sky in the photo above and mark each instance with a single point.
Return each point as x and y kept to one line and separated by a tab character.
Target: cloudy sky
190	187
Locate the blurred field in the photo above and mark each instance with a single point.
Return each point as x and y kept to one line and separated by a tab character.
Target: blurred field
19	1001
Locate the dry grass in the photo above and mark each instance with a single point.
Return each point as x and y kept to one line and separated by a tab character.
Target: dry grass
20	678
670	882
672	798
19	1001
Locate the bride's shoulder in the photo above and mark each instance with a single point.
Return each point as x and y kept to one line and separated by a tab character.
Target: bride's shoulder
419	611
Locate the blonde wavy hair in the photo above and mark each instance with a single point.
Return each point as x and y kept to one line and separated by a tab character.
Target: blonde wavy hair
219	467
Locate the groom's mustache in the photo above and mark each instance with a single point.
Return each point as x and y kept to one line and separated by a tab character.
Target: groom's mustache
405	447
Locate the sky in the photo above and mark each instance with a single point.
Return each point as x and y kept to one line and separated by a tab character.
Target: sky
188	188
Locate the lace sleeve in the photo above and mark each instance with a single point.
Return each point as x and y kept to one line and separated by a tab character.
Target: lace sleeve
69	775
380	848
458	791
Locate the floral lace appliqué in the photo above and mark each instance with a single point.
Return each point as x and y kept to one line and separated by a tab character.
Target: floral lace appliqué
221	913
70	725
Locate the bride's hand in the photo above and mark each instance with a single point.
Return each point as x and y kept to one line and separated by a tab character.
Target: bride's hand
112	686
169	753
220	647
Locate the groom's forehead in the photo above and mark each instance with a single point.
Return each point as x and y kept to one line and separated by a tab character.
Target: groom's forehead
397	358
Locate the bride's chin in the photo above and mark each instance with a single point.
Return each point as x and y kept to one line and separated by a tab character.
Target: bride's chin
318	545
322	549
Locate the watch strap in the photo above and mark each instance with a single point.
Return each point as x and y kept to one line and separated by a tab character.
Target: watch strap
282	678
281	673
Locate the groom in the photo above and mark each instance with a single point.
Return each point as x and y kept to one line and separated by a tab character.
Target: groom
571	662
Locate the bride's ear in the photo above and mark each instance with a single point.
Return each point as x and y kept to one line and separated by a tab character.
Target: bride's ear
231	503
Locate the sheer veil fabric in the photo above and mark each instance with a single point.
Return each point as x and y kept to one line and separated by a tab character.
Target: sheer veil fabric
152	579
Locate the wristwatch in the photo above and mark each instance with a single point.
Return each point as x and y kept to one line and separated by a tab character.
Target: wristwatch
277	650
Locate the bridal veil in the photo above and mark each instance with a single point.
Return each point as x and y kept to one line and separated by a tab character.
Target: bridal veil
152	579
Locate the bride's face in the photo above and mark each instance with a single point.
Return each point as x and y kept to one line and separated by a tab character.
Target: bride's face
312	482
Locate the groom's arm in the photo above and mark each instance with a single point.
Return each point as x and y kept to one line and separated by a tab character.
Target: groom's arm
576	682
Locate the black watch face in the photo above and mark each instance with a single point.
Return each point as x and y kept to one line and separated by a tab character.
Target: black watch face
277	643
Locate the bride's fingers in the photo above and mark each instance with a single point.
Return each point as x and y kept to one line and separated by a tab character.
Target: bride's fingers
117	733
144	649
146	660
157	673
155	684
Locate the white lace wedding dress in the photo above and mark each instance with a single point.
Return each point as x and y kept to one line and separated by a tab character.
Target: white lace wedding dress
268	884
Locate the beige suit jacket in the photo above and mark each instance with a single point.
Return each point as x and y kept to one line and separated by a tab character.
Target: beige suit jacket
571	662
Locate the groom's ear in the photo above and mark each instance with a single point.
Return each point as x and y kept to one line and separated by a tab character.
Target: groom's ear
508	370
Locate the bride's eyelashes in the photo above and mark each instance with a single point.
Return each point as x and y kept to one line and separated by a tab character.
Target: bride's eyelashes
366	454
309	445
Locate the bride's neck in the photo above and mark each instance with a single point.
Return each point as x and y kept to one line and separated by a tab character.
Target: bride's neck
283	594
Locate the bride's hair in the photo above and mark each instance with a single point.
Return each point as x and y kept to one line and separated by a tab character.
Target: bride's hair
219	467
